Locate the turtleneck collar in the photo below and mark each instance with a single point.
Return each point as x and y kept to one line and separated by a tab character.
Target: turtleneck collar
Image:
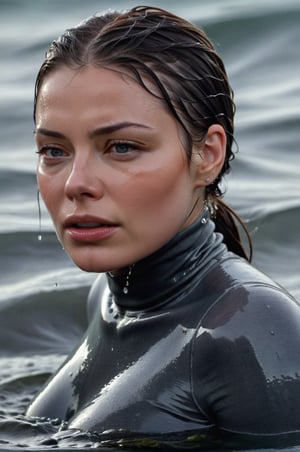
171	271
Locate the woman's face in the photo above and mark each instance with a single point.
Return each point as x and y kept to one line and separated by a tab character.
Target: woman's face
112	169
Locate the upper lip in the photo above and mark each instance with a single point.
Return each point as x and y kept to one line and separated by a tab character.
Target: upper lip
74	220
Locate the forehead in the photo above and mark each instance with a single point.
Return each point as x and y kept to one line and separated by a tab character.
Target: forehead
93	86
85	99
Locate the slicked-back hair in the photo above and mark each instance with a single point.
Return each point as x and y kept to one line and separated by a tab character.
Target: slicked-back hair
174	61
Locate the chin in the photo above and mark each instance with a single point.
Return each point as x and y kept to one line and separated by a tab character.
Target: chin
91	265
97	260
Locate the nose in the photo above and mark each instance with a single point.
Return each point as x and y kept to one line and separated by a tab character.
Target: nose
83	181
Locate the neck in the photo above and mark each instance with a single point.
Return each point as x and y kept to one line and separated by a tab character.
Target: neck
169	272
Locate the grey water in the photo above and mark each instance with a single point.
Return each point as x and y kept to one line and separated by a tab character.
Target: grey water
42	294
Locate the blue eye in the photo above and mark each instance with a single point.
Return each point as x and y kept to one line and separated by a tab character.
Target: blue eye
122	148
51	152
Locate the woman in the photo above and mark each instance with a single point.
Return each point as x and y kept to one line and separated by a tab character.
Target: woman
134	130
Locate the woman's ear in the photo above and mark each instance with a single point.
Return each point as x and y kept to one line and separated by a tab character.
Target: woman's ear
208	158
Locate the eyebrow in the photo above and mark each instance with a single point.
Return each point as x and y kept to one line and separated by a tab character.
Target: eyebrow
104	130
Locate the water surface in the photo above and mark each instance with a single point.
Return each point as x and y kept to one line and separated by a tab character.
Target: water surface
42	294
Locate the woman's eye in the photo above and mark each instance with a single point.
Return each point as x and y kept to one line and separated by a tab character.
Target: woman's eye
122	148
51	152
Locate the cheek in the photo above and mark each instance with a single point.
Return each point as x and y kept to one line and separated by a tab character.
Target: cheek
159	192
50	191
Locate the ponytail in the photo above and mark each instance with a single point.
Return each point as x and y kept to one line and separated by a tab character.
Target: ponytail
226	221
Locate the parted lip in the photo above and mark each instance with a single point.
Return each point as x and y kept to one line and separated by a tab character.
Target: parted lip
88	220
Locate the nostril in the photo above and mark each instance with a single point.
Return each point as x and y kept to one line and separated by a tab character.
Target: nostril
81	189
78	194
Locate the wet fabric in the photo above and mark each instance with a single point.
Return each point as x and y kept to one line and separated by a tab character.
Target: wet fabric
199	340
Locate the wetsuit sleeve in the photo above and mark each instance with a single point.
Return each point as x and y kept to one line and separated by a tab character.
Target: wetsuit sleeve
246	362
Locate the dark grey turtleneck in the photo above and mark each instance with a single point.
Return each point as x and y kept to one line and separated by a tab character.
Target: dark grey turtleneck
200	341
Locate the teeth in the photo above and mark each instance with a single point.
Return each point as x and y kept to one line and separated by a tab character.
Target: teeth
88	225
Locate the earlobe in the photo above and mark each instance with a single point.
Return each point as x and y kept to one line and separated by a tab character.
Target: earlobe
208	159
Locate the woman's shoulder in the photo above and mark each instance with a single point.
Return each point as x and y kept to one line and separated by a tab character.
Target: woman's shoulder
247	294
246	361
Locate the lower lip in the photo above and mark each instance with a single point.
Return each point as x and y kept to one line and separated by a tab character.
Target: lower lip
91	234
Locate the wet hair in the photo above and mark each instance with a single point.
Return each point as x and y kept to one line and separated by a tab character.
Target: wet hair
173	60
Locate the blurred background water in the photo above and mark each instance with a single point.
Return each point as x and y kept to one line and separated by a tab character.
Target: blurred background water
42	294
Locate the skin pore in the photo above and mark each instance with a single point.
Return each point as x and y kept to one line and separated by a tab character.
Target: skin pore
113	171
